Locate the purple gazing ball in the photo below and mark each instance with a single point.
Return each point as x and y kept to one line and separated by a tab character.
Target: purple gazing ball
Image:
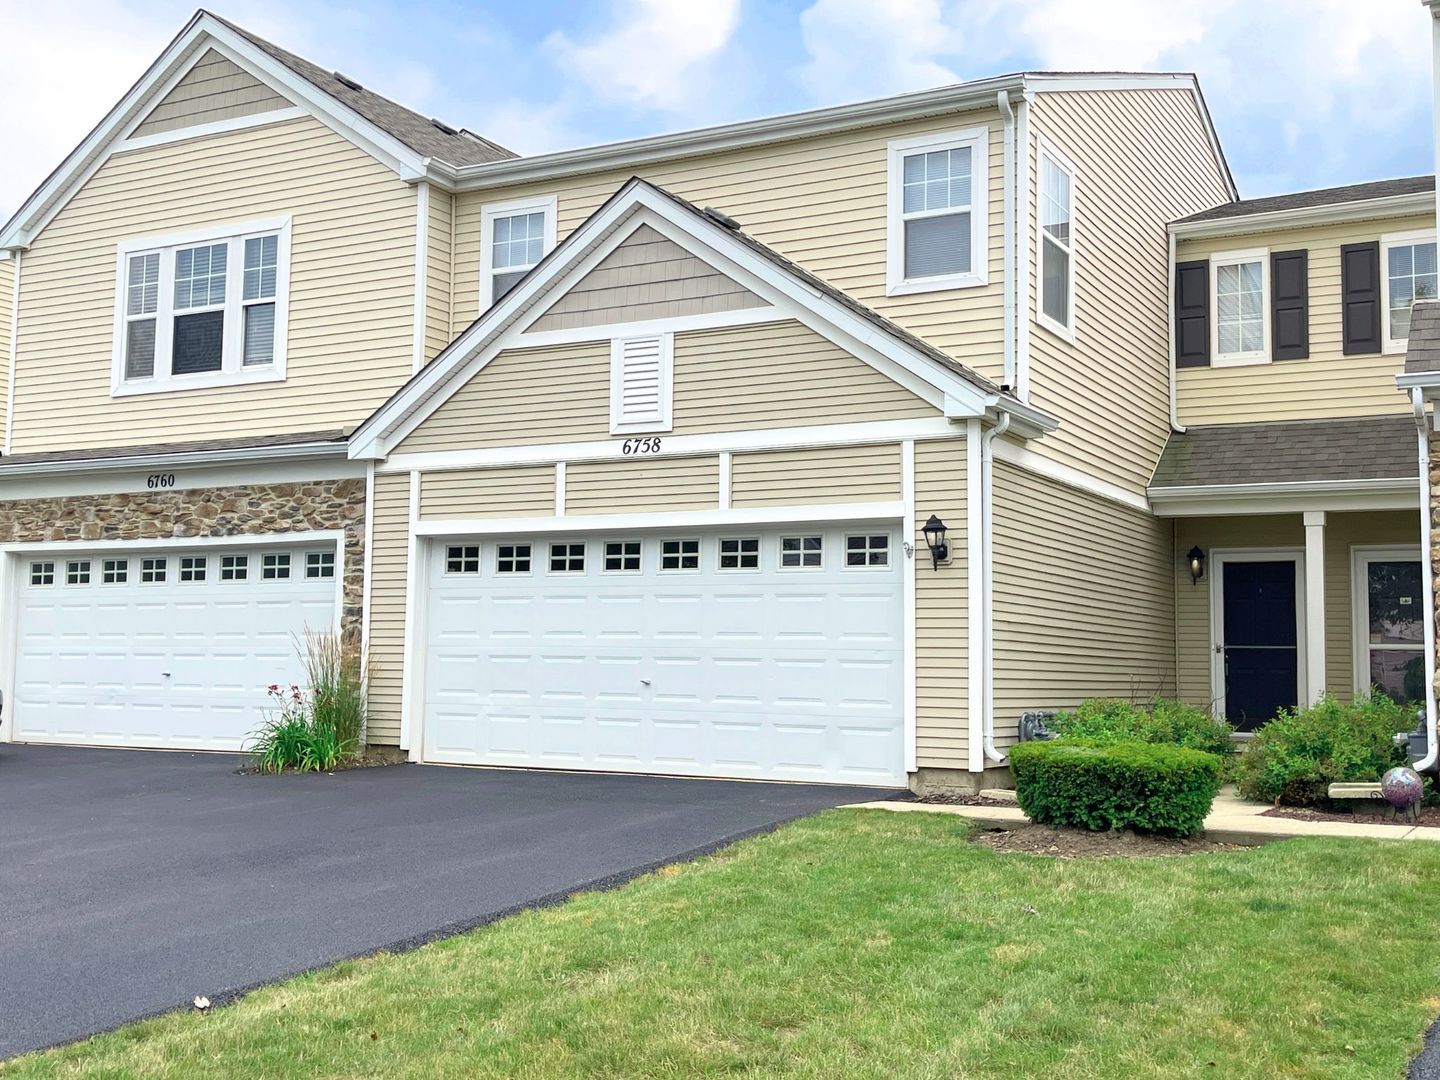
1402	787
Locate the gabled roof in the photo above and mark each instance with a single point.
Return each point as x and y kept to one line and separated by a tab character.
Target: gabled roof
1333	196
426	136
1409	195
402	139
954	387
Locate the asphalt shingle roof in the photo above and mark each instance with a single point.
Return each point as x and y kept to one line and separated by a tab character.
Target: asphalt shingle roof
157	450
1359	448
1301	200
420	133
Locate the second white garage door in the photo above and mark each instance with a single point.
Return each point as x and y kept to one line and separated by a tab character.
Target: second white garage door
775	655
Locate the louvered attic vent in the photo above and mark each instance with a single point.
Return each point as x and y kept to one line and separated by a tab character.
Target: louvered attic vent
640	374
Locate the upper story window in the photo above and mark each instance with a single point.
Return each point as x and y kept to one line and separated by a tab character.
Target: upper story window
1057	242
202	309
514	236
1410	274
1240	284
936	229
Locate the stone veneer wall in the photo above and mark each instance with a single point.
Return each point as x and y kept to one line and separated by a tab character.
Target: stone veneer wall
250	510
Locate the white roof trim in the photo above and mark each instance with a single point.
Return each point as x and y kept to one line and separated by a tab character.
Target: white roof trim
151	459
1422	202
202	32
503	325
772	129
1286	497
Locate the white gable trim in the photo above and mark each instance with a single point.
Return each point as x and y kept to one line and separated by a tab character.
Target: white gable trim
204	31
637	203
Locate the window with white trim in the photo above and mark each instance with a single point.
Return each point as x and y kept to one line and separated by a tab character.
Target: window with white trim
1390	624
152	571
234	567
680	555
462	559
1409	263
936	228
802	552
42	573
740	553
114	571
868	550
319	564
275	566
1056	299
77	573
641	374
622	556
514	237
202	310
567	558
192	567
512	558
1240	289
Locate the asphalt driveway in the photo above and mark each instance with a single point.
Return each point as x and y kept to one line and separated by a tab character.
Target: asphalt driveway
132	881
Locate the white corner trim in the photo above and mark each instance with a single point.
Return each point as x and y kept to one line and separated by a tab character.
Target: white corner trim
724	458
977	139
422	273
911	554
547	204
410	697
1314	522
367	569
678	519
214	127
1022	457
14	352
974	600
560	489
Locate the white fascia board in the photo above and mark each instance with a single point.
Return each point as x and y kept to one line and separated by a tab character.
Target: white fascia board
1388	493
1428	381
746	133
1331	214
678	519
201	32
833	320
163	460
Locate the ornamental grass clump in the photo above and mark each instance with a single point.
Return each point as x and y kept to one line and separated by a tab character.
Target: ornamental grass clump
317	728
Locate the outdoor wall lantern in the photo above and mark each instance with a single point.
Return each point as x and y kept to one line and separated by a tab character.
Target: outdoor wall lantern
935	539
1197	564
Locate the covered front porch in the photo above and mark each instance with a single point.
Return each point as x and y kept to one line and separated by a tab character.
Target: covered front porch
1297	564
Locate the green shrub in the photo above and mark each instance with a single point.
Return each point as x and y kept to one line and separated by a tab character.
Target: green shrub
1141	786
1295	758
315	729
1105	721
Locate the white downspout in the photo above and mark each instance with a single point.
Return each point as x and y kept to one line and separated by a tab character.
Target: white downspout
16	257
1175	424
1422	428
987	542
1011	289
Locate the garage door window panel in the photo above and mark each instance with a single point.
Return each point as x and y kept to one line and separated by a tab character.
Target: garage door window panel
679	555
869	550
567	558
319	564
802	552
192	568
512	558
462	559
234	567
740	553
152	571
77	573
275	566
114	571
42	573
622	556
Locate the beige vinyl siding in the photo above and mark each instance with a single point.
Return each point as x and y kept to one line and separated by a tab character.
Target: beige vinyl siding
1083	600
740	378
214	89
818	201
439	237
835	474
352	283
1142	158
647	277
941	613
527	491
390	539
1327	383
642	487
1343	533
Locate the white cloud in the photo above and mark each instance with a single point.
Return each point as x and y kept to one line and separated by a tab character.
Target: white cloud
657	54
870	48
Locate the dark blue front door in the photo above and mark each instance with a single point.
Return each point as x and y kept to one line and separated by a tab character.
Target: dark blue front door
1261	650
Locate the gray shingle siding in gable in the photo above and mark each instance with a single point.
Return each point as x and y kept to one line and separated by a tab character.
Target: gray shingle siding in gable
1423	351
1363	448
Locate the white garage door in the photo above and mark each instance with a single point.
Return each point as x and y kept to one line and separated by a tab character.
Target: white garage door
774	655
162	648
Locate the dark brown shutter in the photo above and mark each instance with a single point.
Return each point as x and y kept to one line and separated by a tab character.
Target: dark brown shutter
1290	305
1192	314
1360	297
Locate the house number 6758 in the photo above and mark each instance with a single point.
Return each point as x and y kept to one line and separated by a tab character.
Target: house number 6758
631	447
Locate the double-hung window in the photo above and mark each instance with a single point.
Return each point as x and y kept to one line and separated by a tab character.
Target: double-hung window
1389	622
514	236
1240	285
936	228
1056	301
204	309
1408	261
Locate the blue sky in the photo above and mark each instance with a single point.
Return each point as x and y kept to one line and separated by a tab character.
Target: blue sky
1306	93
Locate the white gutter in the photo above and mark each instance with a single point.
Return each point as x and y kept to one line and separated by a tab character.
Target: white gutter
1022	251
987	546
153	458
1422	429
1011	285
1175	424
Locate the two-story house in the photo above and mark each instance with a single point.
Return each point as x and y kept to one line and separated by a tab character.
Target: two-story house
814	447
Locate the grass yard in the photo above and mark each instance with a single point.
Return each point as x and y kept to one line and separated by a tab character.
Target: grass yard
873	944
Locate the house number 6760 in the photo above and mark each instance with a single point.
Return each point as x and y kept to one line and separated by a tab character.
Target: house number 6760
160	480
631	447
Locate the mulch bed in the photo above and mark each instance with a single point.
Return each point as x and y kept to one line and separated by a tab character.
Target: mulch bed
961	799
1429	819
1083	844
375	760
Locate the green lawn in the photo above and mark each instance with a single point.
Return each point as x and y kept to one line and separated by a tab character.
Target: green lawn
868	943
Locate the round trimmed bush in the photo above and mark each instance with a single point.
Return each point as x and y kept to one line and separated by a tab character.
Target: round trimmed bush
1148	787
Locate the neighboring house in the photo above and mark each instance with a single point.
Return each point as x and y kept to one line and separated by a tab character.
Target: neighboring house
622	458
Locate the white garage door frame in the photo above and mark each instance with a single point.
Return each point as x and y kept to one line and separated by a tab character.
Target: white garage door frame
12	557
428	535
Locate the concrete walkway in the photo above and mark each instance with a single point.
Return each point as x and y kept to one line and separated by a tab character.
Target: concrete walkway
1232	820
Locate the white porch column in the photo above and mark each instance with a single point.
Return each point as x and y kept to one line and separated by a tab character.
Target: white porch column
1314	604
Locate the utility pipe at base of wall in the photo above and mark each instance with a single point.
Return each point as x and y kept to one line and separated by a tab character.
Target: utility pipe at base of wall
1427	576
987	541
